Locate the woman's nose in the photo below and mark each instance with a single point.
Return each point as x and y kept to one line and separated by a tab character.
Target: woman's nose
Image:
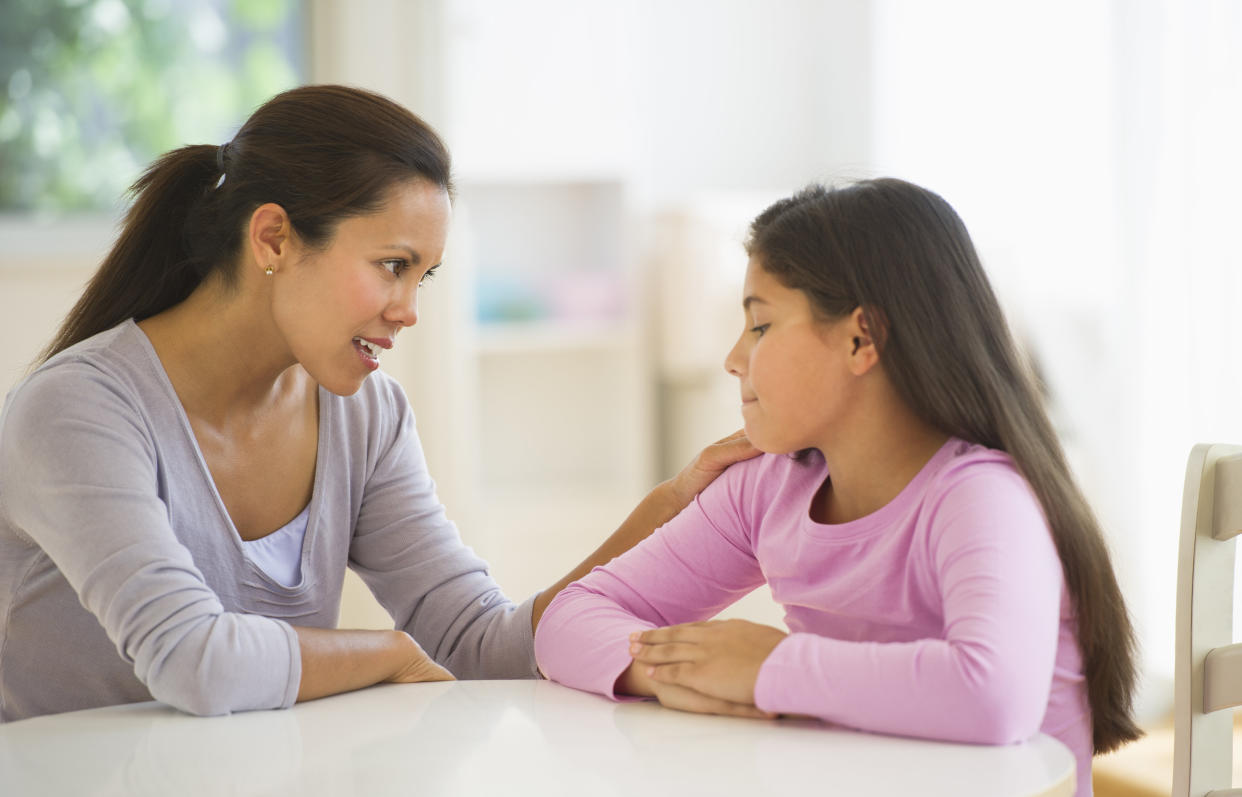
404	308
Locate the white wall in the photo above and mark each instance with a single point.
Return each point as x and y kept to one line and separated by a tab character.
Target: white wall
1090	146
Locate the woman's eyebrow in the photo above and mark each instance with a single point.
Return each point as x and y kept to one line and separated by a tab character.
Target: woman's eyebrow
414	257
749	300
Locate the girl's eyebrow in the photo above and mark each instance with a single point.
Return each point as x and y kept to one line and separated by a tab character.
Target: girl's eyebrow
749	300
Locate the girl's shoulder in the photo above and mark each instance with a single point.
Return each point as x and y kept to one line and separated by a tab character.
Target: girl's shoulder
960	462
760	480
967	474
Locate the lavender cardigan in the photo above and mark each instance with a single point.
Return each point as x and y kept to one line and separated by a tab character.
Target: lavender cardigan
122	577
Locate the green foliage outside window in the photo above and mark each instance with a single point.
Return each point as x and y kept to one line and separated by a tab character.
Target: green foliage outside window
91	91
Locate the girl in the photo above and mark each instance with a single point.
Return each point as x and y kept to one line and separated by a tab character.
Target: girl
208	444
941	574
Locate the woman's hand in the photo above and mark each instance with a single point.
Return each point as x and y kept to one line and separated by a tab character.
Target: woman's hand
418	667
336	660
703	470
719	659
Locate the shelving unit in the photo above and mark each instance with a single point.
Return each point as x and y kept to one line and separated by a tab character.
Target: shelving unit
563	397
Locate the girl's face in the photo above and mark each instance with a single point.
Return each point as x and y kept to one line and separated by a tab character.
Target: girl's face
339	308
793	367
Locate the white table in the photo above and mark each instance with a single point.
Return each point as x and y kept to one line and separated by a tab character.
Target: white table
496	738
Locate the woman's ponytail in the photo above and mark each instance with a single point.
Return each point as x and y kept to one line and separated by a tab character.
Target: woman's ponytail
150	268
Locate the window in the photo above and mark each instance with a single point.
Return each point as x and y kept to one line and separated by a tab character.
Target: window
91	91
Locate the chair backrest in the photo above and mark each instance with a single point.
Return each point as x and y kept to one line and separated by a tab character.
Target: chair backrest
1208	671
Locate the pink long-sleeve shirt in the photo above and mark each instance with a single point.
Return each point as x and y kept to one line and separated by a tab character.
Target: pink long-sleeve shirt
942	615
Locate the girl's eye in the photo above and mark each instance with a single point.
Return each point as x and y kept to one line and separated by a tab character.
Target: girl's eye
395	266
759	330
429	276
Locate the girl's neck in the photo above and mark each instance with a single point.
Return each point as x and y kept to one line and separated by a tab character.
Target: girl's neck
872	462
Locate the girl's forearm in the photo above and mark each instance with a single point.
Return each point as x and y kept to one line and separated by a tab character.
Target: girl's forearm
635	681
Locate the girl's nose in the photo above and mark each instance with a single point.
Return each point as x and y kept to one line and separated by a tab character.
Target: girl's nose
734	360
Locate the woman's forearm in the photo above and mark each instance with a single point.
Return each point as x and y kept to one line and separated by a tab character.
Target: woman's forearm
660	506
341	660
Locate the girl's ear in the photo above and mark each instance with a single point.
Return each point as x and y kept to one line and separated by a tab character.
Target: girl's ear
864	353
269	236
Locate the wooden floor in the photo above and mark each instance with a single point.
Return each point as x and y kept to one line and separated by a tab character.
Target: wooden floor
1145	768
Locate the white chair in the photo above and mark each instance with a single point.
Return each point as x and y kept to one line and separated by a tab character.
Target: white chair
1208	672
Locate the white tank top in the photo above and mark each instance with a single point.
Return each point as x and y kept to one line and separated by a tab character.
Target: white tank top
279	554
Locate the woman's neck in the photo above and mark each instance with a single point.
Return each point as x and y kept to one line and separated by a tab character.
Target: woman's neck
216	347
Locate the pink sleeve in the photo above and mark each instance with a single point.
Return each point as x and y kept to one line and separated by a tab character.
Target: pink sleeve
688	570
987	676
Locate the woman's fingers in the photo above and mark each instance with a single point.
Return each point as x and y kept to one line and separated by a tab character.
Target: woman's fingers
727	450
709	464
418	666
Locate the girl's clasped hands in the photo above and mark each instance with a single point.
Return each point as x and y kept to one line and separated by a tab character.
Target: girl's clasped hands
709	667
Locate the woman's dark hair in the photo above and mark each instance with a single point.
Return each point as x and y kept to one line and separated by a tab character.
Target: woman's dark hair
903	255
323	153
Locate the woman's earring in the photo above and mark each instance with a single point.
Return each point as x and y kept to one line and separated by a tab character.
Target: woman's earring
269	271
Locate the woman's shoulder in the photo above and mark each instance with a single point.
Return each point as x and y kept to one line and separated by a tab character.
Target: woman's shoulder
112	362
372	421
380	403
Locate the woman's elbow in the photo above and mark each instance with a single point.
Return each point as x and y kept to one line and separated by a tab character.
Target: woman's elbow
200	675
197	701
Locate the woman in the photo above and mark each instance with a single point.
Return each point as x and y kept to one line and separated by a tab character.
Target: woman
206	447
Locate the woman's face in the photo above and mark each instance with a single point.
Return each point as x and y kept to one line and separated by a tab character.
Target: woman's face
791	365
341	307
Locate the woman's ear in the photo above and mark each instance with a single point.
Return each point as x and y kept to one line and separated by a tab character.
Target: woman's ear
864	352
269	236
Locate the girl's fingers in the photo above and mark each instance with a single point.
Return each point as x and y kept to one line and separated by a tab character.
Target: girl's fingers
686	699
664	653
686	632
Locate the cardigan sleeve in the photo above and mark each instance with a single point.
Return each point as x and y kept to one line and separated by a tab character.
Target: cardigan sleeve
436	589
80	475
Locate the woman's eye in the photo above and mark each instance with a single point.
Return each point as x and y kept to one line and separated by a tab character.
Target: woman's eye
395	266
429	276
759	330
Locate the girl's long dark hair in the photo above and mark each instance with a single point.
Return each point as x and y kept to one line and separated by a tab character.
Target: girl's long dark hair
323	153
903	255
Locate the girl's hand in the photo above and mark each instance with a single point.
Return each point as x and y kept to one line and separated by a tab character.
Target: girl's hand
418	666
634	681
709	464
684	698
718	659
